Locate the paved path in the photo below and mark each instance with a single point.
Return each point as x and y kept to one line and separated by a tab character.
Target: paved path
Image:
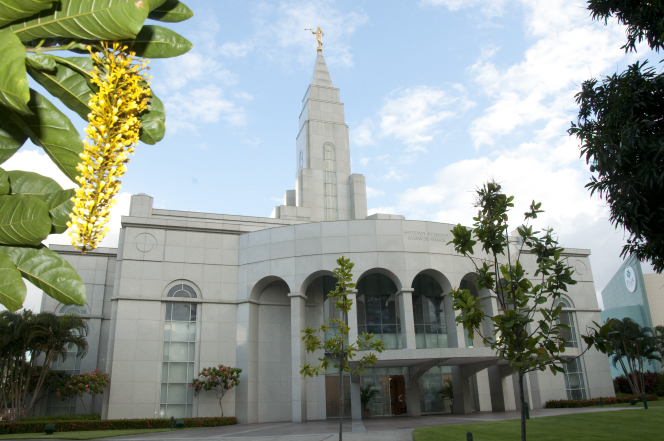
373	429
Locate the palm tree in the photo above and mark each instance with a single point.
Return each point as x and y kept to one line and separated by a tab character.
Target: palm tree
25	338
631	346
659	340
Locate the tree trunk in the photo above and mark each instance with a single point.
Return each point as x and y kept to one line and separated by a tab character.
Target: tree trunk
523	408
341	394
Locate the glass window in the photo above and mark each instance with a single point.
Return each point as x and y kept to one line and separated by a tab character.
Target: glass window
576	389
73	309
429	313
567	318
71	365
182	290
377	309
330	183
301	158
177	368
433	394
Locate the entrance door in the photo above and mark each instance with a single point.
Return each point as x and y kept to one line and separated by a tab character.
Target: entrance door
398	394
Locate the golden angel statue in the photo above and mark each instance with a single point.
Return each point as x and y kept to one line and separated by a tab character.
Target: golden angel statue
318	33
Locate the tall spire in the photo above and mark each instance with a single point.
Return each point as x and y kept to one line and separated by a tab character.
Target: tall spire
321	75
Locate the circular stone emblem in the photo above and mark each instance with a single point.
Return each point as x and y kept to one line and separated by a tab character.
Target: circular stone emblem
630	279
580	268
145	242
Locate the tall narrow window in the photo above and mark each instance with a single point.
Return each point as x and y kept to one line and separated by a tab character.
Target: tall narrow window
576	389
301	159
330	172
429	314
178	359
567	318
377	310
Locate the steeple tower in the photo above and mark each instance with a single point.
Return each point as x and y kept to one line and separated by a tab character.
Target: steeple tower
325	188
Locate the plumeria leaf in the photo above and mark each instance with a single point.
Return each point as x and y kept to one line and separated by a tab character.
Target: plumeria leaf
67	83
14	89
171	11
85	20
41	62
59	206
30	183
153	122
12	288
4	182
11	135
24	220
51	130
48	271
158	42
12	10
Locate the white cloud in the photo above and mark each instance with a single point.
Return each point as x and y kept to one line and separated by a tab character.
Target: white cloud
189	67
236	50
205	105
280	31
373	193
365	161
394	175
381	210
244	96
362	135
569	48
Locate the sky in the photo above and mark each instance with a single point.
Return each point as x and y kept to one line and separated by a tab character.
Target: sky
440	96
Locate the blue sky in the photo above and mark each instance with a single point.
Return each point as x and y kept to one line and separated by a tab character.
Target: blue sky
439	95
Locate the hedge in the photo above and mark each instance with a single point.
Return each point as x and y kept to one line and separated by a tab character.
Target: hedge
558	404
75	426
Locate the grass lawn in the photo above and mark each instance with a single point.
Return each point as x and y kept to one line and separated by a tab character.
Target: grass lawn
595	426
84	435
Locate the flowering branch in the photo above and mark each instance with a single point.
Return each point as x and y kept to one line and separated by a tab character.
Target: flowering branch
221	379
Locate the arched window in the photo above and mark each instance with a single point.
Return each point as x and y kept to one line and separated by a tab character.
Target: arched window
377	309
330	171
182	291
429	313
567	318
73	309
179	354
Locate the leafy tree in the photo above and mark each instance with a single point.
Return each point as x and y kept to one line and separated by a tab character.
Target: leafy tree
86	383
25	340
32	33
527	331
621	129
630	346
334	338
220	379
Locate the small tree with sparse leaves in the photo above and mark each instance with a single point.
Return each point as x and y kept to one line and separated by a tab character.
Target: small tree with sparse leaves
334	338
85	383
220	379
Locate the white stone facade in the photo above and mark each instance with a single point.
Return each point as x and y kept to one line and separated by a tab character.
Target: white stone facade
259	281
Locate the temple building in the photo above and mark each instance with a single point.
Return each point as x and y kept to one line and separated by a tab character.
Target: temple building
187	290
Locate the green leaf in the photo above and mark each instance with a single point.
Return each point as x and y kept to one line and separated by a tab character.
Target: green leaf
11	135
158	42
12	288
49	272
67	83
59	206
171	11
51	130
24	220
87	20
12	10
153	122
30	183
41	62
14	90
154	4
4	182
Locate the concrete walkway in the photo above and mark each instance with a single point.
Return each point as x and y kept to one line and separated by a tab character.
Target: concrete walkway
373	429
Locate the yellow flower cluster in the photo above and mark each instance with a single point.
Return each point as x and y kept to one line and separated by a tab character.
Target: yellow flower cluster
113	132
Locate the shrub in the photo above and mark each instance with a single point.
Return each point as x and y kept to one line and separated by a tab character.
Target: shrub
82	425
654	383
558	404
53	418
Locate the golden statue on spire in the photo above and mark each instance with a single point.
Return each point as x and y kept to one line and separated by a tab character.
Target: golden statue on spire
318	33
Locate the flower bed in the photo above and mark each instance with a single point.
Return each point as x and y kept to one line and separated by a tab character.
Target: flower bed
558	404
75	426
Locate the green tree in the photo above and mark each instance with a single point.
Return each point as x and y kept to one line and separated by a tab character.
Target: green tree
220	379
527	331
621	129
92	383
334	338
630	346
29	341
32	206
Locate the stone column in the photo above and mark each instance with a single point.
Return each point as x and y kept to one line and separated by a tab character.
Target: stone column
355	398
298	355
405	297
246	394
500	386
462	393
455	336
